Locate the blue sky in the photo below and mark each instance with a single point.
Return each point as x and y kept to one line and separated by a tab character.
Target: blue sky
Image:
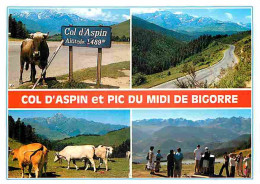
116	15
121	117
190	114
234	15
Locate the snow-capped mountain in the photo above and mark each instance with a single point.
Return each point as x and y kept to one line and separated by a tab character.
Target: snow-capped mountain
51	21
184	22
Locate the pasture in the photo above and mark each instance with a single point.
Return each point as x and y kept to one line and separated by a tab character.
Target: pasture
118	168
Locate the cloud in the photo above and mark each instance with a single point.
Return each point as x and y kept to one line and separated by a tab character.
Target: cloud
145	10
229	16
177	13
248	17
127	17
88	12
94	13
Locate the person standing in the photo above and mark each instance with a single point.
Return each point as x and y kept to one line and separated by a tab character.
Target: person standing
178	163
206	161
197	155
225	165
170	164
158	161
232	164
150	164
247	162
239	160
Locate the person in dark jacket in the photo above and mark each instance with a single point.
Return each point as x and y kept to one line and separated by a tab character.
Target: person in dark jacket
225	165
170	164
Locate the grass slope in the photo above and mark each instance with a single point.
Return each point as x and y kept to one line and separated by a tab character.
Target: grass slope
114	138
121	29
208	57
118	168
240	75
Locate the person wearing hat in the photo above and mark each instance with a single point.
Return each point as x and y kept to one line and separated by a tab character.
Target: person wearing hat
197	155
206	161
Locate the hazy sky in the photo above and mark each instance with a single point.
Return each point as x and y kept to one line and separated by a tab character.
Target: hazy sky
115	15
121	117
232	14
192	114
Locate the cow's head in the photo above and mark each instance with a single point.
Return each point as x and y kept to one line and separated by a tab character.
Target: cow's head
109	150
14	153
38	38
57	157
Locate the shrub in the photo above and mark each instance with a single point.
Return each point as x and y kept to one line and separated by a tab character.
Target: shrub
139	79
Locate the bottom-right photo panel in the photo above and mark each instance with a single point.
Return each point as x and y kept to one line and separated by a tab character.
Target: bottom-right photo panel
191	143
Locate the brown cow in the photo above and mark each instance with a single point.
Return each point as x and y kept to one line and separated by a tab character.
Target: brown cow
33	155
34	51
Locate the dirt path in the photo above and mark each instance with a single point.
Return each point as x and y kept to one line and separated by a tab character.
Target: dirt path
83	58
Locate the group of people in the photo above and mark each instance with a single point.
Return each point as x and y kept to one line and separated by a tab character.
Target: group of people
174	162
232	161
236	162
204	164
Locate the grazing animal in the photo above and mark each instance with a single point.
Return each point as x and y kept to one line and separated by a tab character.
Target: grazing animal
85	152
103	152
128	155
34	51
33	155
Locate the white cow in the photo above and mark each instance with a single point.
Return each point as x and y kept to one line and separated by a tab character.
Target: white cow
85	152
103	152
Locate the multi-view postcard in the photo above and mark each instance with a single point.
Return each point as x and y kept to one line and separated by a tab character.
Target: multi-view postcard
129	92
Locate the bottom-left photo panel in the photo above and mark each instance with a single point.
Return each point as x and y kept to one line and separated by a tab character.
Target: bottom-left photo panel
68	143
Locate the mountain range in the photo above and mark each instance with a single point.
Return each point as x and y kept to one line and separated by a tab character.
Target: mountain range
51	21
192	25
166	134
60	127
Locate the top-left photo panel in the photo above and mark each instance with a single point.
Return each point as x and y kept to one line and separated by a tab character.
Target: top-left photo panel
68	48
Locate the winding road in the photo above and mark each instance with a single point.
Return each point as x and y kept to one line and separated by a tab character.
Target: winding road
209	74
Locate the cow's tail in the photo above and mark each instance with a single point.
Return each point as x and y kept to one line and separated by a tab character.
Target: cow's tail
34	151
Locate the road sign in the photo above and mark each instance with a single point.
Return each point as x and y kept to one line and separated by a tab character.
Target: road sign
87	36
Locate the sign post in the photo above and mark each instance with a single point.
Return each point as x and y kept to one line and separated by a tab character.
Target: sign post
86	36
99	60
70	63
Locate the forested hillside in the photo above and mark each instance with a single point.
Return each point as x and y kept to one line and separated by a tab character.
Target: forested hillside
138	22
154	52
16	28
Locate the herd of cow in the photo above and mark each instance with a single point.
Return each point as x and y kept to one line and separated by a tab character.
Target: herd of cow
36	155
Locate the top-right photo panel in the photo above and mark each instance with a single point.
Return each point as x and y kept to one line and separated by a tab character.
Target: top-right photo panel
191	47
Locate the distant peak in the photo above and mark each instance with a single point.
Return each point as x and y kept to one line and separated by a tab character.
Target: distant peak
59	115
